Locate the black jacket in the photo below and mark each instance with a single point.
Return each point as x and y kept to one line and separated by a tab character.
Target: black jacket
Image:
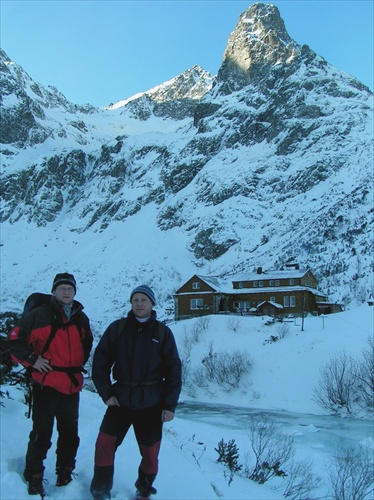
146	371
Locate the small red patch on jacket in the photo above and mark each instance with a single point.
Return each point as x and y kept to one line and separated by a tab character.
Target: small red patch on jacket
13	335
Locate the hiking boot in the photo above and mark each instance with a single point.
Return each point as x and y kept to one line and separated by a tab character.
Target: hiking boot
35	484
99	495
143	491
141	496
64	475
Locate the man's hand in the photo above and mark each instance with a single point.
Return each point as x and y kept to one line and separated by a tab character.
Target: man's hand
167	416
112	401
42	365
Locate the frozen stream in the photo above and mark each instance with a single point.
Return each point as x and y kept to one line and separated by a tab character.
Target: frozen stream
317	434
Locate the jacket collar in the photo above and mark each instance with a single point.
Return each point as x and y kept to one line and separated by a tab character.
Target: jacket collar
150	322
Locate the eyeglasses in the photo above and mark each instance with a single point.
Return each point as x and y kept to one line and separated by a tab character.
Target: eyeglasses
67	289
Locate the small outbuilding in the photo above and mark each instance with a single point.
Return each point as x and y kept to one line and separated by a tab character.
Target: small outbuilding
269	308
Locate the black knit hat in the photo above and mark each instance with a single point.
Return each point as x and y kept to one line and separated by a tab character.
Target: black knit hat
64	279
146	290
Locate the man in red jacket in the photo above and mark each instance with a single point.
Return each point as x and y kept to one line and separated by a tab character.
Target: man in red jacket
54	341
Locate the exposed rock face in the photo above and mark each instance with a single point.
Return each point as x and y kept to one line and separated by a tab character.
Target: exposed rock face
271	158
259	43
16	121
175	99
25	105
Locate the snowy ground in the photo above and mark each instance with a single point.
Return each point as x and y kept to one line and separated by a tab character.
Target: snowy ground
281	382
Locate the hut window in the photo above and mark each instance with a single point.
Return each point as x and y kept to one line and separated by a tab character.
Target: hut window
196	304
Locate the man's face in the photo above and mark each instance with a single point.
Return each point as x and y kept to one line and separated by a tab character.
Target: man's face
64	294
141	305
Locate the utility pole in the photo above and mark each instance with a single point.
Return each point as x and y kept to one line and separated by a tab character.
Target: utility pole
323	321
302	311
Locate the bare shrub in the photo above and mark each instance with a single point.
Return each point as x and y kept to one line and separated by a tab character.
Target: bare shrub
210	363
190	389
204	323
271	448
351	474
364	378
336	385
233	324
186	370
187	343
233	367
300	480
199	377
185	354
195	333
283	330
200	326
226	369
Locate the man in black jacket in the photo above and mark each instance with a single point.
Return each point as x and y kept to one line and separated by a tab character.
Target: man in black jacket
143	358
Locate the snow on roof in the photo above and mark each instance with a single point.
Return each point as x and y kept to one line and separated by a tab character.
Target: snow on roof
275	304
213	281
270	275
225	287
276	289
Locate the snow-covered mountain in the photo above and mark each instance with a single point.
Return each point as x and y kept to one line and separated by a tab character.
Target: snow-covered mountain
270	159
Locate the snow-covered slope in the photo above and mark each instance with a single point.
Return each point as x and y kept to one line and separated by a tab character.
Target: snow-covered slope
279	386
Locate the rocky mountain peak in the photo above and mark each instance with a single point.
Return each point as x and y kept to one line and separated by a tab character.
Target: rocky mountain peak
176	98
191	84
4	60
25	111
259	42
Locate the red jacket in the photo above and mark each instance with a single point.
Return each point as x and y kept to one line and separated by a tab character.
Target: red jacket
68	351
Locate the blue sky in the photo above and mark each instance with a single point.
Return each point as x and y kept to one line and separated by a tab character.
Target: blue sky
100	52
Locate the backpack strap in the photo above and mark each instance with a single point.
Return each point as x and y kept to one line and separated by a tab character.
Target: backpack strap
120	329
52	333
161	330
55	326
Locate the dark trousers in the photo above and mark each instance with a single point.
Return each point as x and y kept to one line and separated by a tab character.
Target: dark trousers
48	405
117	421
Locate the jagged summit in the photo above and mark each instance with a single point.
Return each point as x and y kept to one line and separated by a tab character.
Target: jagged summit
259	42
176	98
27	111
3	57
191	84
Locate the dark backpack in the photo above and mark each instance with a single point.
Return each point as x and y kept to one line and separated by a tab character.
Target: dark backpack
33	301
38	299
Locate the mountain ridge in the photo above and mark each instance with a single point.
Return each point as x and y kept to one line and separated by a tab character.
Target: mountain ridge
269	159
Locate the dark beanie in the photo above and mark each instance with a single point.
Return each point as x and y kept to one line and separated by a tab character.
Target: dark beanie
146	290
64	279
